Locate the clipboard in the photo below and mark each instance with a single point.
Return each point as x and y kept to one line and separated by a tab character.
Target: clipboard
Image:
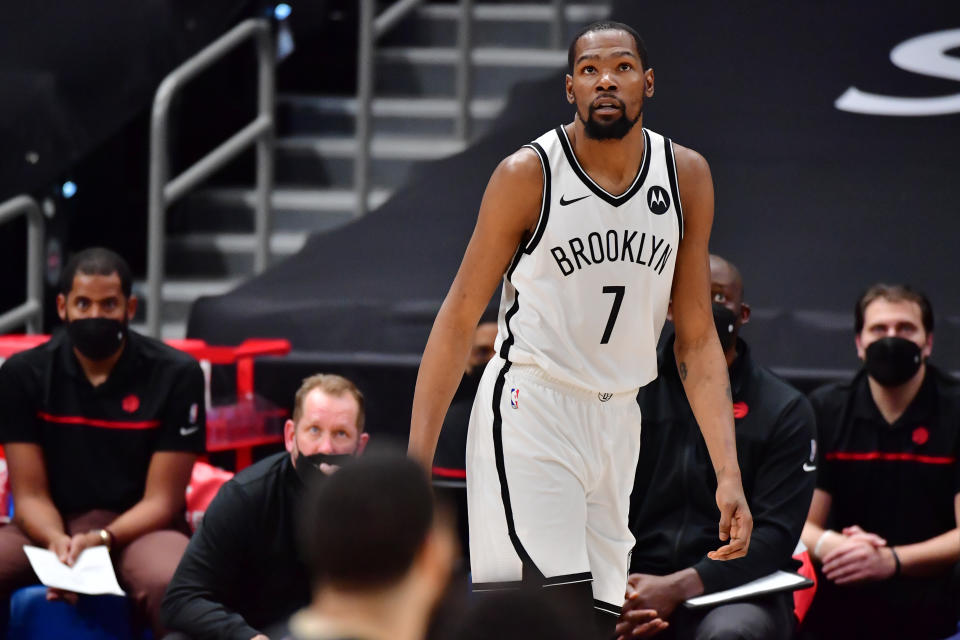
773	583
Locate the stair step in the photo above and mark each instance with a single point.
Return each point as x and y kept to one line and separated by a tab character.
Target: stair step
169	330
188	290
230	209
306	114
381	147
481	56
511	25
281	244
517	12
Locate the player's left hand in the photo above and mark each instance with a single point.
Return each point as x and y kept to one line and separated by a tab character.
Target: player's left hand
736	523
861	562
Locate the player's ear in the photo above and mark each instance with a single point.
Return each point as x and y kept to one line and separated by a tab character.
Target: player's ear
569	88
744	313
648	81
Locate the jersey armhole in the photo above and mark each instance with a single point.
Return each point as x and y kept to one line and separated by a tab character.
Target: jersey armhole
545	203
674	186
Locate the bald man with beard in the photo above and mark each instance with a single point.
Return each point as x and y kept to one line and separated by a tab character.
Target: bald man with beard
673	512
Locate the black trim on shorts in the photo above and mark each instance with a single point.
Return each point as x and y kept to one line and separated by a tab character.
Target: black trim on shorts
545	204
570	578
674	185
531	574
599	191
606	607
513	585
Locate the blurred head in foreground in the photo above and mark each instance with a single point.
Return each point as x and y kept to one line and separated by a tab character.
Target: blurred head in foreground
378	551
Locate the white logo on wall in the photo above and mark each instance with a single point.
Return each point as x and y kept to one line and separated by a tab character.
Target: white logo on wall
925	55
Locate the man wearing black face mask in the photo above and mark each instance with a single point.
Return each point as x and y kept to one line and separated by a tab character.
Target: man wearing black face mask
241	573
882	523
673	512
101	428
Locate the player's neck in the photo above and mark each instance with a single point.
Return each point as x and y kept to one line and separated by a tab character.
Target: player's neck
612	164
893	401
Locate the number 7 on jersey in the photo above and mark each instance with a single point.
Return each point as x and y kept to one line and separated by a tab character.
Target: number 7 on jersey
617	292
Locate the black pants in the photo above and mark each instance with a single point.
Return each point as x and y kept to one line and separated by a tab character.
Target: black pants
768	618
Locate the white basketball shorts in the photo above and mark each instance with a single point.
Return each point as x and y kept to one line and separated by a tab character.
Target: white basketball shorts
550	469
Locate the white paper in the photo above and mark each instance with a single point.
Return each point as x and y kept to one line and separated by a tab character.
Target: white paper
777	581
91	574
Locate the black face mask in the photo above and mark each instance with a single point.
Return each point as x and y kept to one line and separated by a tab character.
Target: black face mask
308	467
893	361
726	321
97	338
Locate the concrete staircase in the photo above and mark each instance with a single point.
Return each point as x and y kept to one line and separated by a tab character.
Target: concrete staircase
413	121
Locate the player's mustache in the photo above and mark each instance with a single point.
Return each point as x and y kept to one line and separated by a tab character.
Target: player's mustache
606	98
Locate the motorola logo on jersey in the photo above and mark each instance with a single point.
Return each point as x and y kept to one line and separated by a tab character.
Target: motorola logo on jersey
658	200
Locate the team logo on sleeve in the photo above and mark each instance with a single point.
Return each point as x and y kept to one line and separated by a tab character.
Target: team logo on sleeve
515	398
658	200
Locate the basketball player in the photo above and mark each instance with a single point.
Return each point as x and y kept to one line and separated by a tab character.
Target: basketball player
586	227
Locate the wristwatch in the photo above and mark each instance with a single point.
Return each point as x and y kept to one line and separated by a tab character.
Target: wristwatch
106	538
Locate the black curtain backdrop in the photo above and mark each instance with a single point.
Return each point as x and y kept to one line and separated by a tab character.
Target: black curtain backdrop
813	203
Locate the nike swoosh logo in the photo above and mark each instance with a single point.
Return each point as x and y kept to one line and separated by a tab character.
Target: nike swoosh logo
184	431
809	467
564	203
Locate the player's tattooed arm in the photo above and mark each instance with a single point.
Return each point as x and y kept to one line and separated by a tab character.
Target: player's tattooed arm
700	359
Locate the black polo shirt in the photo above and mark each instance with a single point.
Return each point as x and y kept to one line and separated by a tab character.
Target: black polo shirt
242	572
98	441
673	508
897	480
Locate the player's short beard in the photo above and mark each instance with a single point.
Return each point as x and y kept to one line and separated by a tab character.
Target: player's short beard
614	130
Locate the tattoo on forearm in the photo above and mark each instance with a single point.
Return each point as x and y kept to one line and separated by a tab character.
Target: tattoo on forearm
683	371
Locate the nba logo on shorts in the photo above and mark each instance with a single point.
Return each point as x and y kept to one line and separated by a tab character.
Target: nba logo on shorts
515	398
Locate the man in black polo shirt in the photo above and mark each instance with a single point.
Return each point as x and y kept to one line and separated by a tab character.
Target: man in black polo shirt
101	427
674	514
241	573
882	524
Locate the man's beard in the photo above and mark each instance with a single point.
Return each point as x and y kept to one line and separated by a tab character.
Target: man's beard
614	130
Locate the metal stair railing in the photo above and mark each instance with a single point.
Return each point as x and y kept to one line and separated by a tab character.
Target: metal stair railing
30	311
165	191
372	27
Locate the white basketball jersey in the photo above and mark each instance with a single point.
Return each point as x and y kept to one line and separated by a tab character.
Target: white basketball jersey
586	298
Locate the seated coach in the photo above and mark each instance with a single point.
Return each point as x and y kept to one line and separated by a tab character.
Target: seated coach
882	527
241	573
673	511
101	427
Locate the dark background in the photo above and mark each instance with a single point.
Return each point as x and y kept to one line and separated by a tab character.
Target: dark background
813	203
